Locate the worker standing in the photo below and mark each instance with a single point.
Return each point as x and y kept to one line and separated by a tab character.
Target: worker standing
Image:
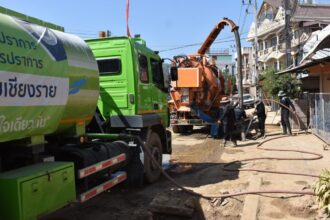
261	114
227	119
285	106
240	117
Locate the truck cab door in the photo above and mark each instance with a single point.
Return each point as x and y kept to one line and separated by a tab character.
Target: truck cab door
159	89
115	84
144	95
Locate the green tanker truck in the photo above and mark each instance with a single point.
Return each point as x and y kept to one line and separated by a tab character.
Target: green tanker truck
69	112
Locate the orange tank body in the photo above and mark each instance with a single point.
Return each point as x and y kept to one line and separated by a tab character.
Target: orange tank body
199	83
198	87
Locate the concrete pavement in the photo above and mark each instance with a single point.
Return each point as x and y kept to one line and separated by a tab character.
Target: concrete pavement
281	206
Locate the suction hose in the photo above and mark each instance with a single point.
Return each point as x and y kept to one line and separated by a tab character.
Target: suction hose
211	197
315	156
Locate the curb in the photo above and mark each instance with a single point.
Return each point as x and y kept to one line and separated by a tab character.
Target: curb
251	202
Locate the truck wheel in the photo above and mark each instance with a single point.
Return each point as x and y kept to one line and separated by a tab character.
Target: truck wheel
175	129
184	129
152	172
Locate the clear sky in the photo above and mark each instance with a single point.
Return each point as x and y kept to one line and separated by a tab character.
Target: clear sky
164	24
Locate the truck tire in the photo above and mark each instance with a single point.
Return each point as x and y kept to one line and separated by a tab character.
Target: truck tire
152	172
185	129
175	129
182	129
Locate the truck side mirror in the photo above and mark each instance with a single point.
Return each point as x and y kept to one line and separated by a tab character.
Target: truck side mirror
174	73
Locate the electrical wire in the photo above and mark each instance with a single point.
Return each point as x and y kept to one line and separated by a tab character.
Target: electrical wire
198	44
244	20
240	14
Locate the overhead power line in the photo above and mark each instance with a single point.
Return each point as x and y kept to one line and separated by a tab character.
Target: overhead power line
240	14
198	44
244	20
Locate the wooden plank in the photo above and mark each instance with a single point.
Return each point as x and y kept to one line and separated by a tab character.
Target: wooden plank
251	202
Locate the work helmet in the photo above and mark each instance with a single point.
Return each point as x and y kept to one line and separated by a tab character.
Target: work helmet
281	93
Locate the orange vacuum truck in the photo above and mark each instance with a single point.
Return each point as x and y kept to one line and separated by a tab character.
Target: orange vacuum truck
198	85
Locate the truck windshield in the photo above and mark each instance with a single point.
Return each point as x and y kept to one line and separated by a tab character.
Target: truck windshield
109	66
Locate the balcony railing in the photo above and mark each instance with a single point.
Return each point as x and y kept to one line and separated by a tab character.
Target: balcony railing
314	2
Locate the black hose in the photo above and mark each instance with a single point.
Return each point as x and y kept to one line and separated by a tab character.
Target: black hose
210	197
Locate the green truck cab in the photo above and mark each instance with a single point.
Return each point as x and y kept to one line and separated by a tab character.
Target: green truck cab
133	93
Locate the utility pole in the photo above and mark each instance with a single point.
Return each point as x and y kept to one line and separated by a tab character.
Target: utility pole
256	74
287	32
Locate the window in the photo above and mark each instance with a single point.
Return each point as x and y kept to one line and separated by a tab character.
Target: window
282	38
157	72
143	69
110	66
266	45
299	56
269	14
273	41
295	34
266	14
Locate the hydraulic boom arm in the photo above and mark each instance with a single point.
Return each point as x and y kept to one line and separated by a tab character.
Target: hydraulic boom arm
211	38
214	34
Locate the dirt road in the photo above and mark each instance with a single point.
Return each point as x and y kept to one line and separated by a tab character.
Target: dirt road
197	164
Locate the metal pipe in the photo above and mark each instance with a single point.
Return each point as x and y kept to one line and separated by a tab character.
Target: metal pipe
256	75
239	66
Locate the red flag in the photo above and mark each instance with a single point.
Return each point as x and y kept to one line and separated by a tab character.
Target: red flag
127	16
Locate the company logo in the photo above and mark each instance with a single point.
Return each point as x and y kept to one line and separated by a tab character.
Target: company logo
76	86
48	39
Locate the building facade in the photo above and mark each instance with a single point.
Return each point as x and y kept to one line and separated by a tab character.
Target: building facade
248	77
223	59
306	17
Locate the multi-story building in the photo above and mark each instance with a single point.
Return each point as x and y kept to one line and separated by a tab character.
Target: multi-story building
306	17
223	60
247	71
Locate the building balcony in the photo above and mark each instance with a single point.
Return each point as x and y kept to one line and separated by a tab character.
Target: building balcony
266	28
266	51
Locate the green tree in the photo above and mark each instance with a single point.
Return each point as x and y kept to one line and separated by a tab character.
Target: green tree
272	83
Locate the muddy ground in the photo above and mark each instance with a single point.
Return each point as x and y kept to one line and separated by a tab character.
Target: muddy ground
197	164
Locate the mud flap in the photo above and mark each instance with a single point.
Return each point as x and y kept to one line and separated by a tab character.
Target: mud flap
168	143
135	169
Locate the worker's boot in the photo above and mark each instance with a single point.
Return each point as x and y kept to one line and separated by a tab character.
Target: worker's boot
284	130
262	133
289	129
224	141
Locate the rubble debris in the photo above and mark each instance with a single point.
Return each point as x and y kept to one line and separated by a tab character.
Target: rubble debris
171	205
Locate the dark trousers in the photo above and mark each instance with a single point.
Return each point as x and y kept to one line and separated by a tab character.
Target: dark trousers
228	131
261	124
285	122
